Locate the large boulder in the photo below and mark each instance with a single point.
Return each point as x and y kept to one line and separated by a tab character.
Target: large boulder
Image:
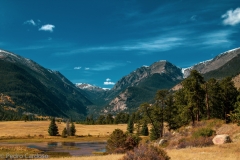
221	139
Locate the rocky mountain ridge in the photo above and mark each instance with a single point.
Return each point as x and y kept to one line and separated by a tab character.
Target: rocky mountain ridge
213	64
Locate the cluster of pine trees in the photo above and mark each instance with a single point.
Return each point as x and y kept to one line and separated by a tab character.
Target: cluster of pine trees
120	118
67	131
196	100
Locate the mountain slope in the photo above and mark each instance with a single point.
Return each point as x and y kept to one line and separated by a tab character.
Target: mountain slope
141	86
215	64
38	90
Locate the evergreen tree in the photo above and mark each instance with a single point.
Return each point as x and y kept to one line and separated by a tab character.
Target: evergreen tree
64	133
53	129
153	114
171	113
101	119
72	130
154	135
235	115
144	130
25	117
161	98
183	114
195	94
109	119
130	125
229	97
213	99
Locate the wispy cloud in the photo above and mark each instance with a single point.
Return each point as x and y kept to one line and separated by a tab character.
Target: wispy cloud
47	27
77	68
148	45
108	82
30	22
157	44
87	68
104	66
231	17
219	38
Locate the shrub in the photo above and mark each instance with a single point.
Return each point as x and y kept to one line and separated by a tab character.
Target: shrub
119	142
131	142
195	142
146	152
203	132
116	142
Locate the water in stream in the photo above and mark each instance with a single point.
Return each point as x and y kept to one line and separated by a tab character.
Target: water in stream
74	148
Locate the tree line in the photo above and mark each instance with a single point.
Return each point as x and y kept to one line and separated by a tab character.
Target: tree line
197	99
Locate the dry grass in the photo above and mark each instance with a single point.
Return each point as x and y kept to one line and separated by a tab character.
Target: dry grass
6	150
40	128
107	157
222	152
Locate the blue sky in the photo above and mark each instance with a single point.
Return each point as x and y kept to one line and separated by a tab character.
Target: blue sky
100	41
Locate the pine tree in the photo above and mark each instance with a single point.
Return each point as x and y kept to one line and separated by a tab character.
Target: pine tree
229	95
195	94
144	130
130	125
161	98
72	130
64	133
154	135
53	129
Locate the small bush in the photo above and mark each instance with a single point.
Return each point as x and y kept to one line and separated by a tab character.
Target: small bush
203	132
120	142
195	142
215	123
116	142
146	152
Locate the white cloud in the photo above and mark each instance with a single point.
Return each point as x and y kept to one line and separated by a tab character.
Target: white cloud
47	27
30	22
77	67
86	68
231	17
108	82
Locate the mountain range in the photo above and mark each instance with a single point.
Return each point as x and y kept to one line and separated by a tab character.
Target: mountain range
141	85
28	88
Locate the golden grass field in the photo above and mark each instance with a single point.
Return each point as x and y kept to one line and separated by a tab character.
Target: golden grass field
21	130
39	129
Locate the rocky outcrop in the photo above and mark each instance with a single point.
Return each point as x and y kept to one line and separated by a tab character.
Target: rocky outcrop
221	139
119	103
